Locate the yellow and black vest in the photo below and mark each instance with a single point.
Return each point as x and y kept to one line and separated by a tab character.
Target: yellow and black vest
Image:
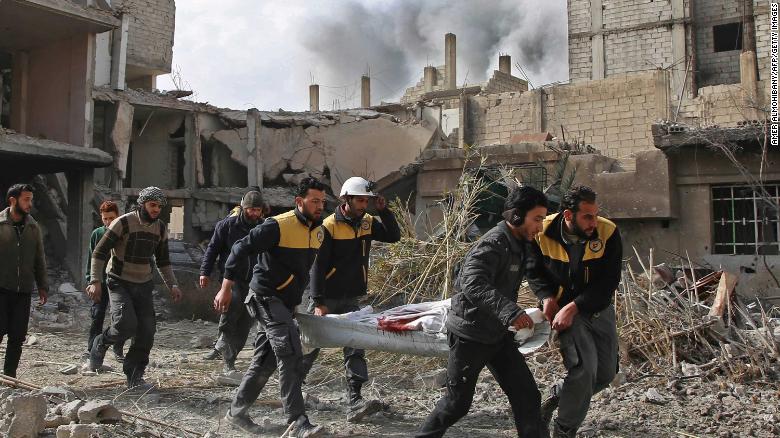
341	268
592	281
287	246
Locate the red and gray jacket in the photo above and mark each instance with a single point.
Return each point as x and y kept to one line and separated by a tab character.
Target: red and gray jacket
590	282
341	268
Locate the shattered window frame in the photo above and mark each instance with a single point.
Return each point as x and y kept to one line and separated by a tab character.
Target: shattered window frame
744	223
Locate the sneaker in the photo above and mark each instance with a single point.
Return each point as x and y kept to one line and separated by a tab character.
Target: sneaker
303	429
362	408
213	355
244	423
119	355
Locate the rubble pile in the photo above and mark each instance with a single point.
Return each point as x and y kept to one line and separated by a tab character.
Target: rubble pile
696	325
26	412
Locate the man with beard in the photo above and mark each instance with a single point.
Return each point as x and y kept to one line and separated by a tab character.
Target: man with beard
108	212
339	275
575	283
286	245
483	310
22	268
131	244
235	324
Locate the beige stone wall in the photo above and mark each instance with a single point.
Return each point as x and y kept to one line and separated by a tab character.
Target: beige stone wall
502	82
613	114
150	36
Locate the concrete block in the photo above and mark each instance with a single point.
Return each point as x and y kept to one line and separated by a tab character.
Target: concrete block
99	411
79	431
24	415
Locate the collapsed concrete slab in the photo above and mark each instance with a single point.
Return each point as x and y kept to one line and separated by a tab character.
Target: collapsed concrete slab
22	415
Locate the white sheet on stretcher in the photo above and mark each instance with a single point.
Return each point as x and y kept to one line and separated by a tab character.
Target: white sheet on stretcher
360	329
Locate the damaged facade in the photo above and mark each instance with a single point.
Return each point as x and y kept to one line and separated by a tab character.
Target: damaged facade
630	66
640	75
107	114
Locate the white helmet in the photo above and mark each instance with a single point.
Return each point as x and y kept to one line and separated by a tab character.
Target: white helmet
357	186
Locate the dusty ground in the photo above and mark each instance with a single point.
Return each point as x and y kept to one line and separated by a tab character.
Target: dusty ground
189	398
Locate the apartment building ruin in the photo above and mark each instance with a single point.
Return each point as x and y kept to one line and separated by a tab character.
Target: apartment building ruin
662	90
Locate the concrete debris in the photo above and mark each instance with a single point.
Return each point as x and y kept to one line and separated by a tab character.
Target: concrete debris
232	378
69	370
99	411
79	431
434	379
31	340
70	409
69	288
57	393
653	396
202	341
22	415
54	421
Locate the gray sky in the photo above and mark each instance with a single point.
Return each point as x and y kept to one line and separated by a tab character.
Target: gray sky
264	54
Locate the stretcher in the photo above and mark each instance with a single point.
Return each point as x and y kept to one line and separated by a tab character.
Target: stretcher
362	330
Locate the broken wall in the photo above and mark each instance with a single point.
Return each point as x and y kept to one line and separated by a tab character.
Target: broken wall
352	146
55	106
690	232
150	35
612	114
712	67
635	36
156	158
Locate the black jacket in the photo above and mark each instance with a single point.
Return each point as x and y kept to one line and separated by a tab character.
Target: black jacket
593	281
287	246
485	304
226	233
341	268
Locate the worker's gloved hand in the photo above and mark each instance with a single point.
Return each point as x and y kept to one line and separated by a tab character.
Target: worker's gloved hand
176	294
222	300
95	291
321	310
203	282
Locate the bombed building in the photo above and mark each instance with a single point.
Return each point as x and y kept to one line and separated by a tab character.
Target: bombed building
655	89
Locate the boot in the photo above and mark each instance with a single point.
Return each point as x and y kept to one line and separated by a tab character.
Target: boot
549	405
360	408
303	429
97	355
136	382
244	423
213	355
561	432
119	355
229	366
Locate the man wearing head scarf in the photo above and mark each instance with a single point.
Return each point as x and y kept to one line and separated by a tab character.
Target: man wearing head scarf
130	245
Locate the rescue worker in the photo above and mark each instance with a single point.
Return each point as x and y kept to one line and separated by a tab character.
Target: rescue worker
235	324
131	244
340	275
22	269
581	270
483	310
108	212
286	245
